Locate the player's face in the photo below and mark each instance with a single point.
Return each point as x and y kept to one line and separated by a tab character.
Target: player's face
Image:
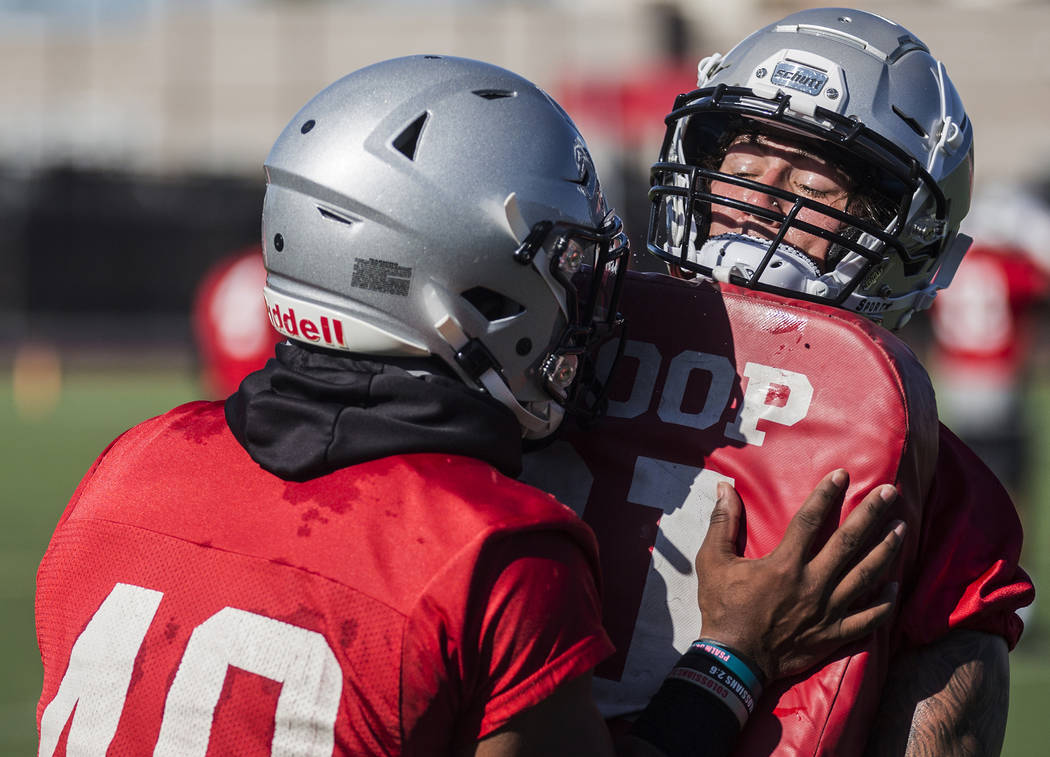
785	165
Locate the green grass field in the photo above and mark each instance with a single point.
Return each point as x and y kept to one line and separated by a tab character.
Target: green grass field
42	460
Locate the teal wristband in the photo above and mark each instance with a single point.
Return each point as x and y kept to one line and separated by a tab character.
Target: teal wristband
733	661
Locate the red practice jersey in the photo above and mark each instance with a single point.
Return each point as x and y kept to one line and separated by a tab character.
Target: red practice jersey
983	322
192	604
770	395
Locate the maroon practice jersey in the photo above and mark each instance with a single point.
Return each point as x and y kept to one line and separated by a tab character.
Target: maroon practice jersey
770	395
192	604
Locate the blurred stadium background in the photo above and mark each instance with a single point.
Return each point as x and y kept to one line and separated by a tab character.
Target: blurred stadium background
132	134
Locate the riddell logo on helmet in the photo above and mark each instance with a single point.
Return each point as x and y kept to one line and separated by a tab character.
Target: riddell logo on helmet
325	329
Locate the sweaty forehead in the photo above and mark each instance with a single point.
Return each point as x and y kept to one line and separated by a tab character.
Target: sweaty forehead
777	144
797	151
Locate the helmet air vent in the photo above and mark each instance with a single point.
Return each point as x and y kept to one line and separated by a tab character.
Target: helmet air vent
492	305
914	125
407	141
331	215
495	94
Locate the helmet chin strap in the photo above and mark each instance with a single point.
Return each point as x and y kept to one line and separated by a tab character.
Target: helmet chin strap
533	426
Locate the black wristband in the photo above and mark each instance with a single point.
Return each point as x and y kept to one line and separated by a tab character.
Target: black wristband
712	674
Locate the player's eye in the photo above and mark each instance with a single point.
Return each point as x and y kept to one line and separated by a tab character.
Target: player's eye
813	192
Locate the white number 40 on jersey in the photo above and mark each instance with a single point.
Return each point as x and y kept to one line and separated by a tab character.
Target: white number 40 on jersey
95	686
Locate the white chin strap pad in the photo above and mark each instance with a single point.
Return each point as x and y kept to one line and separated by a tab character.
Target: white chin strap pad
740	254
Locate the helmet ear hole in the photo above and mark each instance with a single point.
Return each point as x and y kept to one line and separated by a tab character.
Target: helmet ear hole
491	304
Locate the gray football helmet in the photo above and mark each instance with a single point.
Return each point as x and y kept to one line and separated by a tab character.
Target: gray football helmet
866	95
438	206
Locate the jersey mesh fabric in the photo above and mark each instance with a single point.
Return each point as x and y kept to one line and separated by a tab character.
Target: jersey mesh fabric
414	570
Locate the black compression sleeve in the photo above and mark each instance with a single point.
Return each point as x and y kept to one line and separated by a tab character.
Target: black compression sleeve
683	720
702	704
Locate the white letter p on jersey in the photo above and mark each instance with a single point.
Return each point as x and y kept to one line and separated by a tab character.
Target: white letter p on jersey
773	395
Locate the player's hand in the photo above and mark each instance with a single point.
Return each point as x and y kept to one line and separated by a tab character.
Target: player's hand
791	608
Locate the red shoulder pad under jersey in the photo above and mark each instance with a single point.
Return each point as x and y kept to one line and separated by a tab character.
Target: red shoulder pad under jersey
770	395
192	602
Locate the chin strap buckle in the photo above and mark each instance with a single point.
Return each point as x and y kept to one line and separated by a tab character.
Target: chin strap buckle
475	359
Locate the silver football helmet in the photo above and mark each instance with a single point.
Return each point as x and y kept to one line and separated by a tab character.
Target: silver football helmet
864	94
438	206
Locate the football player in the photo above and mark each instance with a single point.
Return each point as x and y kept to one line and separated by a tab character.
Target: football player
810	190
984	329
336	560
